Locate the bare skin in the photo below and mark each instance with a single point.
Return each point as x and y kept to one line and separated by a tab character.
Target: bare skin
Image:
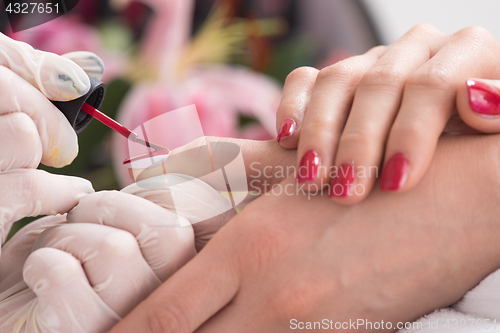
393	257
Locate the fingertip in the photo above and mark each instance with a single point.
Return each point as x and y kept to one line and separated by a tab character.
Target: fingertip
395	173
342	185
295	98
61	78
309	167
59	141
288	134
82	187
478	103
48	268
346	188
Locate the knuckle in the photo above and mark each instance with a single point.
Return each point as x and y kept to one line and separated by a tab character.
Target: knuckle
301	73
342	71
476	33
433	77
422	29
55	266
66	268
30	183
356	138
319	127
23	128
408	129
119	243
387	75
161	318
287	107
379	50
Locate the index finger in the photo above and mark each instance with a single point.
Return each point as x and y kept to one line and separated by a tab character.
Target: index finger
266	162
57	78
58	139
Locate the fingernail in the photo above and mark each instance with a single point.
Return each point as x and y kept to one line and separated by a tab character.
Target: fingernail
309	166
483	98
395	173
343	183
287	128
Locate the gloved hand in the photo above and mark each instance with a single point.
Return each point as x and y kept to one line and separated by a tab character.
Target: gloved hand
33	130
36	129
55	294
83	277
115	270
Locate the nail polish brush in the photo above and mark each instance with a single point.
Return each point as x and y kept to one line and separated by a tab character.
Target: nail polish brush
81	111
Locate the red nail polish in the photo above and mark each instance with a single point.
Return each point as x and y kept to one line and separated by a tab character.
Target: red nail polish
343	183
309	166
483	98
287	128
395	173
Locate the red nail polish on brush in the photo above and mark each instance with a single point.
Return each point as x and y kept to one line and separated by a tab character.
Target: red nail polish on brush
483	98
395	173
82	110
287	129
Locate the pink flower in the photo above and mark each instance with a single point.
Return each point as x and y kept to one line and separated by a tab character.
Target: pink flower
221	93
68	34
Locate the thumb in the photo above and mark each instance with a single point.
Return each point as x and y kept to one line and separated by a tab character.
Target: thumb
266	163
89	62
478	103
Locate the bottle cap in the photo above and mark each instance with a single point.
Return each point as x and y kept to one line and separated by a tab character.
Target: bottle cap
73	109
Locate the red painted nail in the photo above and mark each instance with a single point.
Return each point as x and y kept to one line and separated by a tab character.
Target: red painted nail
287	128
309	166
484	98
395	173
343	183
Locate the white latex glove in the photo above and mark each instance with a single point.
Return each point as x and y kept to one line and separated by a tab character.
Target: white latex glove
79	277
149	222
83	277
33	130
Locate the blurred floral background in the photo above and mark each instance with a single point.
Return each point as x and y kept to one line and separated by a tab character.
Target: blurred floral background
228	57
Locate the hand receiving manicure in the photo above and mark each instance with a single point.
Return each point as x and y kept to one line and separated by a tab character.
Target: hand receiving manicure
388	107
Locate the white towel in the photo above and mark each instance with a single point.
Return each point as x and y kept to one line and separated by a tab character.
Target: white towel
478	311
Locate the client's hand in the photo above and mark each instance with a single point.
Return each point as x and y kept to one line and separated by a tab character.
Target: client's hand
387	107
287	259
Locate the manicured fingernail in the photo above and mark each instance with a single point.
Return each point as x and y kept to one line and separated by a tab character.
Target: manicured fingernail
395	173
343	183
483	98
287	128
309	165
